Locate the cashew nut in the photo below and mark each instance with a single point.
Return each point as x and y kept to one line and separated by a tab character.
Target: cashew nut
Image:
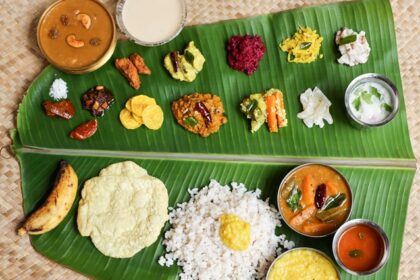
85	20
72	41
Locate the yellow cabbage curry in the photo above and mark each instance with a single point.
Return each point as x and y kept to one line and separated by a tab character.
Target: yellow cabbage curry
315	200
75	33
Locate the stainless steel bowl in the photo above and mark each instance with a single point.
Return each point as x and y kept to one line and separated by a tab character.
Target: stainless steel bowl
371	224
120	23
382	80
303	248
283	182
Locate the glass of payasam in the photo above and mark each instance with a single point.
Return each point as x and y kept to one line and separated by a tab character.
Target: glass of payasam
151	22
77	36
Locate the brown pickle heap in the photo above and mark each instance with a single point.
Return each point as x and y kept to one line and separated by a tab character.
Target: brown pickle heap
97	100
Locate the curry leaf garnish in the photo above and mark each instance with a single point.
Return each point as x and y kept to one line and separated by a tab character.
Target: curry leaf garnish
387	107
189	57
305	45
293	199
356	103
191	121
251	106
375	92
334	201
367	97
355	253
347	40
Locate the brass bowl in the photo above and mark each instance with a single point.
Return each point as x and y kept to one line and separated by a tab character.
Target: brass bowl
85	68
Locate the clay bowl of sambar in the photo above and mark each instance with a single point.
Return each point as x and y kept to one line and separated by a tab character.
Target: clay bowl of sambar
77	36
314	200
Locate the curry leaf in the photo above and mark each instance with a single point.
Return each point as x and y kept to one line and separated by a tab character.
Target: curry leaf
293	199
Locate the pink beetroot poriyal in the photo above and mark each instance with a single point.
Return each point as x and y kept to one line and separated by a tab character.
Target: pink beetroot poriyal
245	52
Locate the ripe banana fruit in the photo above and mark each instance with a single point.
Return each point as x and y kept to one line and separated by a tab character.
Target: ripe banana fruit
57	205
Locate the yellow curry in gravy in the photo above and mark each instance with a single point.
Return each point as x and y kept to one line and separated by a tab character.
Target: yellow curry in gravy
74	34
315	200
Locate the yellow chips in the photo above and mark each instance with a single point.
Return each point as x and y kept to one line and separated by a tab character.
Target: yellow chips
141	109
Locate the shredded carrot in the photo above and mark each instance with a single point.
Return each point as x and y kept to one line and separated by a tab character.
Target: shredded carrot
270	101
302	216
308	190
280	103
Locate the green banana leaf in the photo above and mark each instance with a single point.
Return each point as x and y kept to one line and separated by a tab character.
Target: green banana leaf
380	194
338	140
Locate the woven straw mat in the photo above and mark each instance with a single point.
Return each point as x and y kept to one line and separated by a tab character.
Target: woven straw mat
20	62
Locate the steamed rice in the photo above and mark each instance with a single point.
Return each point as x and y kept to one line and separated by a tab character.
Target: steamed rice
193	242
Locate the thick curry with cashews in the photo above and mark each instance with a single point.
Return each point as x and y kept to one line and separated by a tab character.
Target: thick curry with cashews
74	34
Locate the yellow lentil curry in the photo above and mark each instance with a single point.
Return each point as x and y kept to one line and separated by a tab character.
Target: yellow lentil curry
303	264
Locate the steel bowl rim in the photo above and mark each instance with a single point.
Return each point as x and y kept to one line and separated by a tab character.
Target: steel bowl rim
283	183
394	96
123	29
303	248
375	226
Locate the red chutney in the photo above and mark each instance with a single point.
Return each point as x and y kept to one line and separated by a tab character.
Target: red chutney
360	248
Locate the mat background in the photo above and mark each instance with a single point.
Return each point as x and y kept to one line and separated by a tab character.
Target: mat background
21	61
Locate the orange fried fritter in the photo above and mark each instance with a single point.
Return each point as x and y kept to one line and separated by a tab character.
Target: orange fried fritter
129	71
138	61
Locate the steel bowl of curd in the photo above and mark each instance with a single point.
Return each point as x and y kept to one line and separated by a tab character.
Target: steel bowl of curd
151	22
371	100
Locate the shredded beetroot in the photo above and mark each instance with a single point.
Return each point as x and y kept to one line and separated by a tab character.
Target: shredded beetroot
245	52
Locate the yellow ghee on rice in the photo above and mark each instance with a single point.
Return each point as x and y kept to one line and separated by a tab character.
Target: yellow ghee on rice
234	232
303	264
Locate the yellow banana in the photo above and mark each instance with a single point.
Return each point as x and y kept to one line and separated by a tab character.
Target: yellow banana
57	205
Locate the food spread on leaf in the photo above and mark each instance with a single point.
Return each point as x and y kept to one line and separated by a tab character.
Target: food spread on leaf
63	109
316	108
216	215
245	52
185	66
353	46
57	205
97	100
139	110
131	68
315	200
303	47
370	102
234	232
304	264
122	210
267	108
58	90
199	113
85	130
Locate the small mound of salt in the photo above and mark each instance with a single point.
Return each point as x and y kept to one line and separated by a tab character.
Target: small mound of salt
58	89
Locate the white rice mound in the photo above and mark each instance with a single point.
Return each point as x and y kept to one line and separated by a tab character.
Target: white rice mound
193	242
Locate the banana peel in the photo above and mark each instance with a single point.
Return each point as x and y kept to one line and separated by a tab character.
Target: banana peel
57	205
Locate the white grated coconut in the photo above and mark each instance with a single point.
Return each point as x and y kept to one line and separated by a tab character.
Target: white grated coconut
58	89
193	242
352	53
316	108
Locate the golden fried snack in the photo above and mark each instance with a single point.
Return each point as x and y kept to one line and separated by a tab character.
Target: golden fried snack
129	71
141	66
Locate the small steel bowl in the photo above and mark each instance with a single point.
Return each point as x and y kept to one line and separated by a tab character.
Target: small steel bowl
120	23
283	182
302	248
371	224
382	80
